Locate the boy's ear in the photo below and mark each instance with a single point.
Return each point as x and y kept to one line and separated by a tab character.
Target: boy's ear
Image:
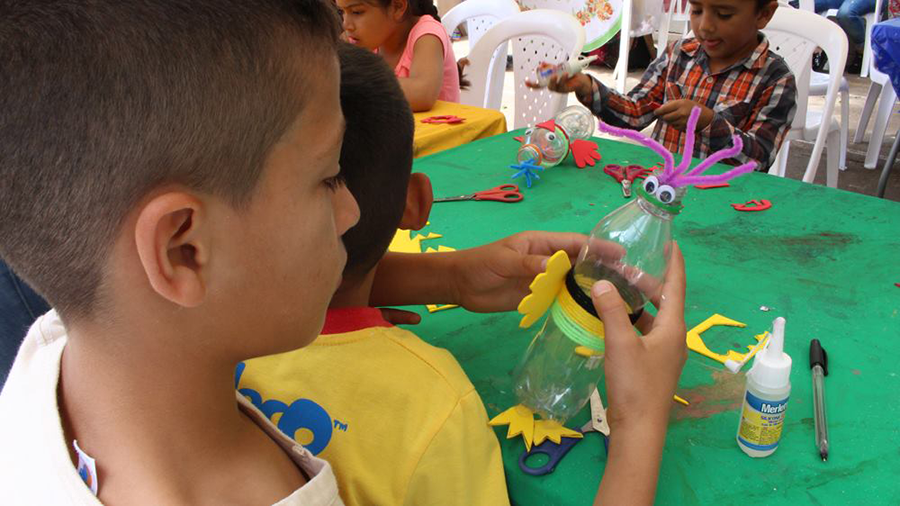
171	247
765	13
418	202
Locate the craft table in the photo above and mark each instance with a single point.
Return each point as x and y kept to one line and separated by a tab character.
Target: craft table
479	123
825	259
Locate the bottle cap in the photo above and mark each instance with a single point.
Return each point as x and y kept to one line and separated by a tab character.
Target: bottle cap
772	366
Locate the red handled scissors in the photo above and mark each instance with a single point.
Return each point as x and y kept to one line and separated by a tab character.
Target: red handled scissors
626	175
504	193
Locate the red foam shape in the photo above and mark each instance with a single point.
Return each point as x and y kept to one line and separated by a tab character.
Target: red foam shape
895	284
519	138
753	205
547	125
710	186
448	119
585	153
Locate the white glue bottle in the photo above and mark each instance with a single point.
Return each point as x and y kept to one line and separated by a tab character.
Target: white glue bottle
766	397
545	71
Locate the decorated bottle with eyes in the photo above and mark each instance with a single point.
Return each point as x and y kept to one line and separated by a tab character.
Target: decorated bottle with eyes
547	144
630	247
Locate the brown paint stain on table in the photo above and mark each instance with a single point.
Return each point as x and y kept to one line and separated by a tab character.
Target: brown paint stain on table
724	394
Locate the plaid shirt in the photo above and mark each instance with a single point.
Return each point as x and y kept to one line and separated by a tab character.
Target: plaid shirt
754	98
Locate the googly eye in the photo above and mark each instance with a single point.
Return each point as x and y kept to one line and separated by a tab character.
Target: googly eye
651	183
551	137
529	131
665	194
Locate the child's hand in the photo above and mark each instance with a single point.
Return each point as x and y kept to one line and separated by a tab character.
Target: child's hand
564	83
495	277
642	372
677	112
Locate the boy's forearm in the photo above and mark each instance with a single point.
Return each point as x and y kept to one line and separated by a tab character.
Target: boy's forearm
632	469
634	110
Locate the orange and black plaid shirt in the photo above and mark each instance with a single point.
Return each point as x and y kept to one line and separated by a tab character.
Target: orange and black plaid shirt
754	98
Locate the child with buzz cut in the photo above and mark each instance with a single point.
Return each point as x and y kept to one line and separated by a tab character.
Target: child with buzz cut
727	69
398	419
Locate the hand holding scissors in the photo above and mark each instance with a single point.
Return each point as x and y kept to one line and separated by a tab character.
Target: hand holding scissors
504	193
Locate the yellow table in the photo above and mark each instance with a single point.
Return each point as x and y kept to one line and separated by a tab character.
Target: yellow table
479	123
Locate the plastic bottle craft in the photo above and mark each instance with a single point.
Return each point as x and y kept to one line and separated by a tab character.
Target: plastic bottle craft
547	144
630	248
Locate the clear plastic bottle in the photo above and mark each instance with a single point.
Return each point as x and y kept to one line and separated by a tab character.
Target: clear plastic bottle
548	148
630	247
553	380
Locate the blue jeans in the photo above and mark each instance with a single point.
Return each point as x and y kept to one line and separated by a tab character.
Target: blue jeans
849	12
19	307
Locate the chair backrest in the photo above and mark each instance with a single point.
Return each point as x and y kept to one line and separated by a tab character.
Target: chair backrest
794	34
537	36
479	16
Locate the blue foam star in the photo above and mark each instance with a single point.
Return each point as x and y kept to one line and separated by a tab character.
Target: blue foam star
526	169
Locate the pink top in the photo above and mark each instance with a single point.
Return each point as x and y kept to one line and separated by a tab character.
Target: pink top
427	25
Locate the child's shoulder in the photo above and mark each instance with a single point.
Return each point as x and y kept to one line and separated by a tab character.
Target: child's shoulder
429	361
427	25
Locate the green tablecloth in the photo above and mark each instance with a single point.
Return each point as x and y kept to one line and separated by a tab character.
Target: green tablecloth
825	259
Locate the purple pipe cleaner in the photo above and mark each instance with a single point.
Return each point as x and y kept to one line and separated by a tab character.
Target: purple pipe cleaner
680	176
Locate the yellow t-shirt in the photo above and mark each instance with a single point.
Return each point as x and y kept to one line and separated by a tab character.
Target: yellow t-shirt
397	418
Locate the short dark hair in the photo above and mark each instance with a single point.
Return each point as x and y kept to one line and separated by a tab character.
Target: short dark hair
101	102
376	157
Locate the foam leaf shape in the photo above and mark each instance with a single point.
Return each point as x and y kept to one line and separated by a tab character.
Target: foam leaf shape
554	431
521	422
544	289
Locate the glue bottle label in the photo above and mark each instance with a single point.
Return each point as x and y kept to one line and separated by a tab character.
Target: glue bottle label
761	422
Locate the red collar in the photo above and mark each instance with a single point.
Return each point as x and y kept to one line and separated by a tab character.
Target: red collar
349	319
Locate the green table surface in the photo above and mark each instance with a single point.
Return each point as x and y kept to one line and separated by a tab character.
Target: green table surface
825	259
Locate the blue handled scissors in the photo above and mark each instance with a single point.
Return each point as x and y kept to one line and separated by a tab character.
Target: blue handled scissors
504	193
555	451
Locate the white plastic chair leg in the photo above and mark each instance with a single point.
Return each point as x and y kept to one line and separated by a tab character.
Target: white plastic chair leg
779	166
621	71
833	146
845	125
885	106
871	98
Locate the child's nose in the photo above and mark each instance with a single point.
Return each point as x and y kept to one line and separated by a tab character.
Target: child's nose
706	24
347	212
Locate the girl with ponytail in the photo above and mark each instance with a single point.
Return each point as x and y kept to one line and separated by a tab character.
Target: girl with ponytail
409	36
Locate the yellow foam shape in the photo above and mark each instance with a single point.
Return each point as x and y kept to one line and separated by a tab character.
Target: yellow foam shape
695	342
405	242
434	308
544	289
521	422
440	249
586	352
554	431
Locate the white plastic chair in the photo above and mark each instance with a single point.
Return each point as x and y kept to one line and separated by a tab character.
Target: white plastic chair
880	92
678	13
794	34
537	36
818	86
870	19
479	16
626	34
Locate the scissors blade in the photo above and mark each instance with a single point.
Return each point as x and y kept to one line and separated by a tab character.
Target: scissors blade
456	199
598	414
